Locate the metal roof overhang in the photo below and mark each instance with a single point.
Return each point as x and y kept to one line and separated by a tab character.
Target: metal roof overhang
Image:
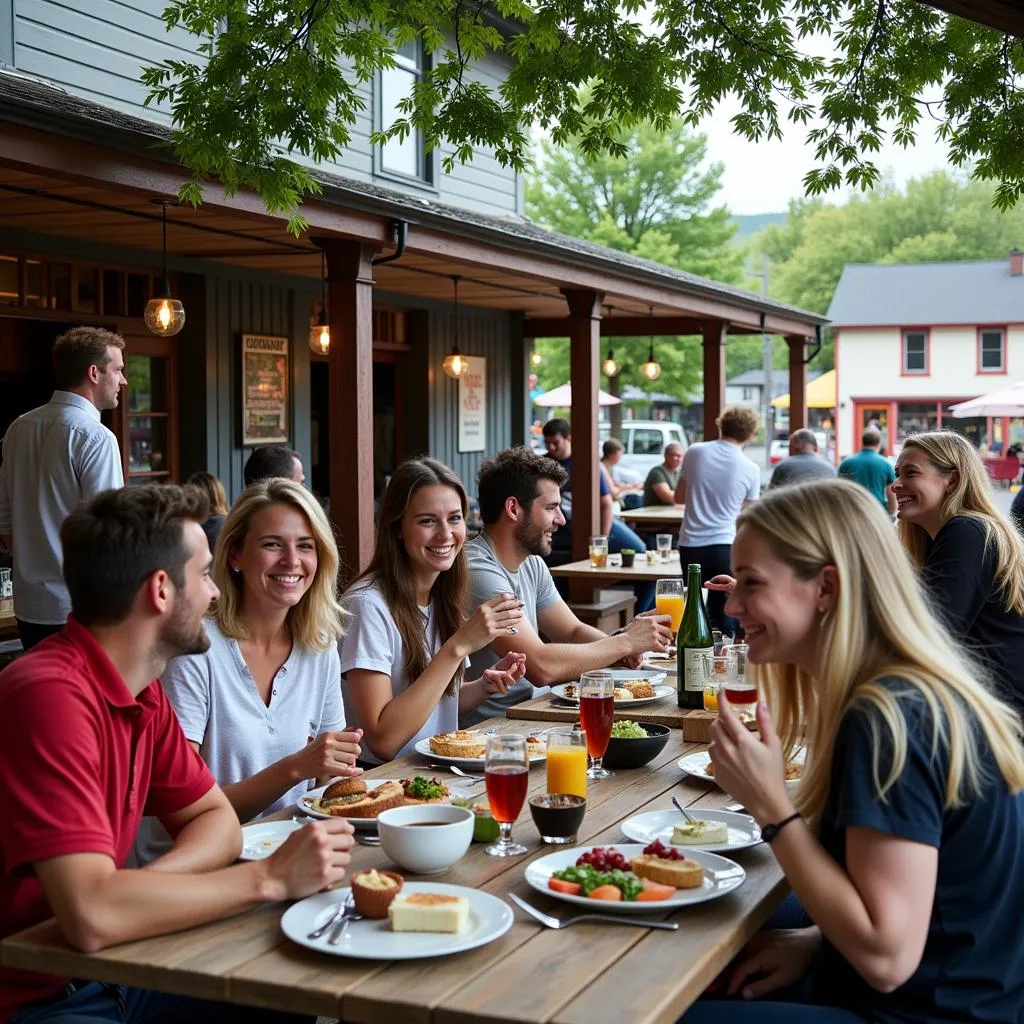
1004	15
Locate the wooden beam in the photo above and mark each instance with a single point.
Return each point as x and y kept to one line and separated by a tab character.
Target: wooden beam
615	327
350	402
1002	15
797	384
585	348
715	335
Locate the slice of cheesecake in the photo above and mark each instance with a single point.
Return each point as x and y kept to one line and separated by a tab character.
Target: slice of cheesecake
700	831
428	912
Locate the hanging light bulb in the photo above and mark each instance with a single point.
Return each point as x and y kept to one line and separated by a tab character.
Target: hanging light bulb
611	365
455	363
652	368
164	315
536	358
320	332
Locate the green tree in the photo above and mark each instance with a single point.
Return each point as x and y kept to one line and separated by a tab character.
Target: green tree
277	79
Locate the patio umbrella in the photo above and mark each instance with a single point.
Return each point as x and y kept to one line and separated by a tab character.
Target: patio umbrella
821	393
1004	402
561	398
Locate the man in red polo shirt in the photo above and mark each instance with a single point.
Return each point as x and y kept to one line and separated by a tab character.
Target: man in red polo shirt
89	744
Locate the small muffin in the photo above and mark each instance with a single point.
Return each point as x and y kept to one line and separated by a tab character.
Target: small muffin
344	787
374	890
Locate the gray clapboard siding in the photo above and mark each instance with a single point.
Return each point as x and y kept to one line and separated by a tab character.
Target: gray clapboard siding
6	33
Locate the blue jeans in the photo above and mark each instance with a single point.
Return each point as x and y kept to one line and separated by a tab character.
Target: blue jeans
762	1011
92	1002
621	536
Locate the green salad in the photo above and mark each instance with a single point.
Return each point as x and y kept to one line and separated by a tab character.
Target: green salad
627	730
590	879
424	789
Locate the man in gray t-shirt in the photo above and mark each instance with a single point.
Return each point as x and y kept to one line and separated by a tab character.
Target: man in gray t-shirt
803	463
520	505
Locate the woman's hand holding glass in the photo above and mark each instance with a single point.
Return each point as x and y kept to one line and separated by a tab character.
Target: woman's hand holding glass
748	766
500	616
500	677
329	755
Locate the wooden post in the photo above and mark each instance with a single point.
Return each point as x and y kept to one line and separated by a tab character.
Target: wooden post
584	364
714	333
797	383
350	304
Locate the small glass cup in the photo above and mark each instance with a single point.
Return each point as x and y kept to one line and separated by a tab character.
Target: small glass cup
614	560
740	690
6	588
597	713
598	552
722	643
507	773
716	674
664	541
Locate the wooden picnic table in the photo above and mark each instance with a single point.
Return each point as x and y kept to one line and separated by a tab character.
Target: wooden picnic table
659	518
531	974
644	572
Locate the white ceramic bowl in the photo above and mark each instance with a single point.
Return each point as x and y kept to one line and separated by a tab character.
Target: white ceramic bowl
425	849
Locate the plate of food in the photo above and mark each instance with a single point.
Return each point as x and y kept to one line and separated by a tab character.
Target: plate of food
262	838
361	800
630	688
466	748
700	767
714	831
634	877
421	919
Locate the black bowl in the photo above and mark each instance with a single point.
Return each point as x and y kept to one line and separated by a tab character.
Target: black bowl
623	753
559	815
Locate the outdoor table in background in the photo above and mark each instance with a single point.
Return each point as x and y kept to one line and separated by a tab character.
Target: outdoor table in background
593	972
645	572
8	626
654	518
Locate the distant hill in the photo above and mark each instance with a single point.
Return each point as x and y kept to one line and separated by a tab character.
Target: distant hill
750	223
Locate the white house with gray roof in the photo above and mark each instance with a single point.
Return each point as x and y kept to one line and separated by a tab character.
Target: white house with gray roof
913	339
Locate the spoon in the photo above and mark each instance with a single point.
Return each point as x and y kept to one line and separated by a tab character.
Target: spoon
683	811
367	839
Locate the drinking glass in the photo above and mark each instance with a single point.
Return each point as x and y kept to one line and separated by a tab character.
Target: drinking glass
668	600
739	689
6	589
567	761
598	552
507	771
597	712
664	541
716	675
722	643
614	560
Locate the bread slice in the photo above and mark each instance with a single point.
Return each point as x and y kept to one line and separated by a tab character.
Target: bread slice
461	743
364	805
344	787
639	688
683	874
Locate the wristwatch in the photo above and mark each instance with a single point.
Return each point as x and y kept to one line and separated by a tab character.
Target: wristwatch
769	832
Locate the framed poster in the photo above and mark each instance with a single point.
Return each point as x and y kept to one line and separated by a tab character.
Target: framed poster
473	405
264	390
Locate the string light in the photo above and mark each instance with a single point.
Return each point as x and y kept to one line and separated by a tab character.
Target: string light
652	368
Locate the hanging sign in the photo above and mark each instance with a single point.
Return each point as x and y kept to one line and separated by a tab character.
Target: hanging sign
473	406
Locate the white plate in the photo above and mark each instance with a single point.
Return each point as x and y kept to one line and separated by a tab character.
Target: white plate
645	828
660	692
720	876
308	806
489	919
697	765
423	748
263	838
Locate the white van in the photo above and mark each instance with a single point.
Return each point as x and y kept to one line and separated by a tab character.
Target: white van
645	442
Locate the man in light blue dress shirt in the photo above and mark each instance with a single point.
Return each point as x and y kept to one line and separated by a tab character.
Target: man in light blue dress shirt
53	458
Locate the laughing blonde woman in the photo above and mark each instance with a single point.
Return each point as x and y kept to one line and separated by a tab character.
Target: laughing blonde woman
905	841
970	556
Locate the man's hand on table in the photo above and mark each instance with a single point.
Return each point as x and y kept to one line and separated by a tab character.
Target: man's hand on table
310	860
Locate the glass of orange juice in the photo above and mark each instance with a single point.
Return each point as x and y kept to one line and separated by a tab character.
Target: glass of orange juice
567	761
668	600
716	674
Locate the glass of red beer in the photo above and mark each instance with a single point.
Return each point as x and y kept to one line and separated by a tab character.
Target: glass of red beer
507	771
740	690
597	712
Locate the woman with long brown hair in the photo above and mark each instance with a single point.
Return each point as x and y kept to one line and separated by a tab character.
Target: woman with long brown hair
408	635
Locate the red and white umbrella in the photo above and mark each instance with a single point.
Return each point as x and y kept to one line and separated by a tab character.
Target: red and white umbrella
561	398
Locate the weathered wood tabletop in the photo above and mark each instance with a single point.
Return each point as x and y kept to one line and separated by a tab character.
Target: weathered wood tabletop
595	972
654	517
642	572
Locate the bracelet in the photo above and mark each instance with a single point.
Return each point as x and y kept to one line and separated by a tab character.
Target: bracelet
769	832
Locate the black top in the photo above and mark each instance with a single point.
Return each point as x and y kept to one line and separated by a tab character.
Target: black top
212	529
972	968
959	575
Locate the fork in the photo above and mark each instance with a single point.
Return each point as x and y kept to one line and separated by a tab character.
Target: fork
456	770
564	922
348	915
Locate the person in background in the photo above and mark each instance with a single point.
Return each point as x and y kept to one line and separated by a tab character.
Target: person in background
971	558
217	496
262	704
89	742
1017	511
53	458
660	485
625	492
908	824
872	470
520	504
404	655
273	460
715	482
803	462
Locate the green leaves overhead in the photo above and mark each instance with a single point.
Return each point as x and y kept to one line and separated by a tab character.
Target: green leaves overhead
274	86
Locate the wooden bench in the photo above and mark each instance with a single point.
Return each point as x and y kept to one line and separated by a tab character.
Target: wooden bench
610	610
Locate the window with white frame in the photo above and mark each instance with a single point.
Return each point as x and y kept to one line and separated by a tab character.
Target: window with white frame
915	352
405	156
992	355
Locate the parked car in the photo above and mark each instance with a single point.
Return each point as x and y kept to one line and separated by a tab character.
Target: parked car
780	447
645	442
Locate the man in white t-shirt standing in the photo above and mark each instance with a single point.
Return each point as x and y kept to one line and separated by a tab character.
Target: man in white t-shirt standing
715	482
53	458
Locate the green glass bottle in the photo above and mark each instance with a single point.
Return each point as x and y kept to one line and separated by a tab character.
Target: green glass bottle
693	642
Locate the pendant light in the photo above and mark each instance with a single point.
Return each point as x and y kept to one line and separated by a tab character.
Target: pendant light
164	315
652	368
320	332
455	363
536	358
611	365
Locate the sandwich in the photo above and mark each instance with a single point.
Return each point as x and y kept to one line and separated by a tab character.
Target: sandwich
352	798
